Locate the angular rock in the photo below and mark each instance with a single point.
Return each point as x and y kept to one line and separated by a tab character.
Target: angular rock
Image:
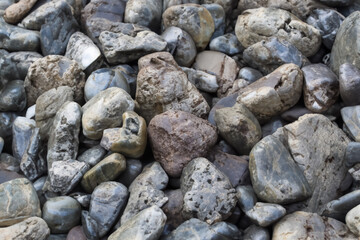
33	228
16	12
246	197
104	111
349	84
351	118
163	86
13	97
227	43
202	80
22	130
146	13
93	155
352	220
265	214
352	154
340	207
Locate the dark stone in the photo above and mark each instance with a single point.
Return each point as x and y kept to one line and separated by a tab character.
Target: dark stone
133	169
294	113
337	3
218	14
76	233
349	78
9	163
352	154
6	176
22	131
351	118
271	126
6	122
173	207
256	233
92	156
106	9
246	197
228	101
13	97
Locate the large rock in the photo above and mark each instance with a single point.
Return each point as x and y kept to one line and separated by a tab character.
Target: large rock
349	79
260	24
340	207
144	12
33	228
178	137
162	86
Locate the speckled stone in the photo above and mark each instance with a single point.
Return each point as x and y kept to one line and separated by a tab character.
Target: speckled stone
17	11
352	220
33	228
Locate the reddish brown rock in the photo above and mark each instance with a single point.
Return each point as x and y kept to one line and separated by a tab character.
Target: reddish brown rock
76	233
178	137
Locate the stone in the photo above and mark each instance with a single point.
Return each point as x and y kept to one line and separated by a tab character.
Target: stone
180	45
173	207
218	15
259	24
82	49
274	93
146	191
294	113
328	22
223	66
130	74
122	48
337	3
6	176
8	162
239	127
192	18
6	123
22	130
51	72
65	175
208	194
349	84
82	198
92	155
104	111
19	201
57	30
162	86
107	200
352	220
146	13
16	12
1	144
318	148
107	169
30	112
13	97
350	116
33	228
63	141
147	224
338	208
265	214
177	137
269	54
202	80
256	233
227	101
129	140
17	38
133	169
61	214
352	154
345	48
227	43
310	225
246	197
76	233
321	87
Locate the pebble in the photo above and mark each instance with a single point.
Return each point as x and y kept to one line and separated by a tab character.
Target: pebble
256	233
22	130
226	43
61	214
16	12
352	220
352	154
146	13
133	169
92	155
246	197
249	74
202	80
12	96
265	214
33	228
218	15
9	163
350	116
76	233
349	84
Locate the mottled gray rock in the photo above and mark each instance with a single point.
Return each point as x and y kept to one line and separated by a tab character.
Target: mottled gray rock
22	130
130	74
61	214
246	197
202	80
352	220
146	191
180	45
337	3
208	194
265	214
227	43
269	54
250	74
64	136
352	154
146	13
13	97
351	118
104	111
33	228
133	169
349	79
9	163
218	15
340	207
92	155
147	224
256	233
122	48
65	175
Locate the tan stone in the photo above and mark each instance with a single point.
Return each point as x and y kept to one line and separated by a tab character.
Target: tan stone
17	11
33	228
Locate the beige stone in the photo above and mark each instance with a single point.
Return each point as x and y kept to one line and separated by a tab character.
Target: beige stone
33	228
17	11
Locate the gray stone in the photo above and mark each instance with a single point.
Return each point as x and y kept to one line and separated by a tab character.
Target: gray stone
65	175
102	79
1	144
349	79
104	111
30	112
64	136
340	207
9	163
180	45
321	87
47	105
18	39
33	228
13	97
130	74
92	155
228	101
147	224
22	130
294	113
269	54
352	154
250	74
227	43
146	13
352	220
256	233
146	191
265	214
173	207
202	80
218	15
61	214
133	169
351	118
208	194
18	201
246	197
6	122
83	198
122	48
169	3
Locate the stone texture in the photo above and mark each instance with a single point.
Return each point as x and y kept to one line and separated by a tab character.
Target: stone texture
192	18
64	136
208	194
352	154
173	207
9	163
178	137
19	201
265	214
350	116
321	87
92	155
6	176
259	24
349	84
33	228
352	220
104	111
76	233
227	43
1	144
51	72
16	12
246	197
146	13
256	233
340	207
163	86
13	97
22	130
218	15
274	93
6	122
202	80
133	169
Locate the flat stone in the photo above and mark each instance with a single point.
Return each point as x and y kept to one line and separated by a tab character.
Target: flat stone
146	13
104	111
133	169
256	233
202	80
227	43
51	72
107	169
352	220
16	12
147	224
192	18
92	155
349	84
162	86
19	201
61	214
22	130
33	228
352	154
13	97
351	118
265	214
63	141
246	197
129	140
321	87
340	207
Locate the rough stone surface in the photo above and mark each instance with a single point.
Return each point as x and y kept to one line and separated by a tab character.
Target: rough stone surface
350	116
352	220
227	43
146	13
16	12
265	214
92	155
22	130
33	228
349	79
340	207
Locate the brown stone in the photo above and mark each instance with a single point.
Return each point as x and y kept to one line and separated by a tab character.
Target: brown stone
76	233
17	11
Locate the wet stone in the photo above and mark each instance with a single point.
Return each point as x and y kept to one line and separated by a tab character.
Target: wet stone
265	214
246	197
133	169
227	43
92	155
146	13
349	84
33	228
352	154
351	118
22	130
16	12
